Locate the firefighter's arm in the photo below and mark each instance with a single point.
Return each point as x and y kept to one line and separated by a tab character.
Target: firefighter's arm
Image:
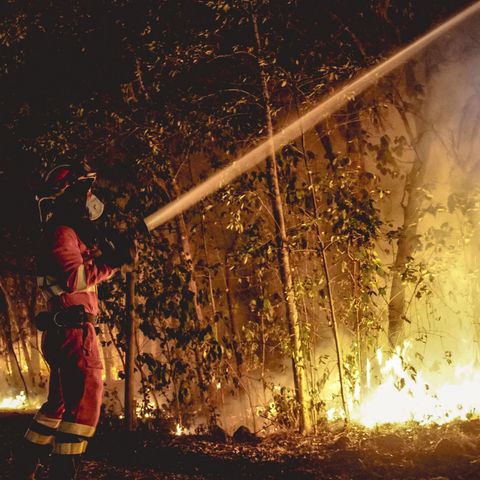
78	273
118	249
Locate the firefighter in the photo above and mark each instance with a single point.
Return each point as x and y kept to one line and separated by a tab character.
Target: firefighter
70	265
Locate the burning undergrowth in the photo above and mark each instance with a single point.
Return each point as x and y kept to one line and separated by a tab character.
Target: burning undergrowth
20	401
404	391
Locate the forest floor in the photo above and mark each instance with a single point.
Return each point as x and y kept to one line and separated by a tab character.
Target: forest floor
408	452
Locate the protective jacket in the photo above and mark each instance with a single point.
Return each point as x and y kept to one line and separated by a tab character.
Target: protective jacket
70	273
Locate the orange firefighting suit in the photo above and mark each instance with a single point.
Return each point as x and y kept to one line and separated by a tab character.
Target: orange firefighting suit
70	415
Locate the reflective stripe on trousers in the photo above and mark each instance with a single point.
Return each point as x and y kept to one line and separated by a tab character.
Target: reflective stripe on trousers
70	414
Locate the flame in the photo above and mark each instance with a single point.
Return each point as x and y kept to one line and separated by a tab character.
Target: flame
404	394
11	403
181	430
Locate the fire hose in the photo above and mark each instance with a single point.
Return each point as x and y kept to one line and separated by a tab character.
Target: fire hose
286	135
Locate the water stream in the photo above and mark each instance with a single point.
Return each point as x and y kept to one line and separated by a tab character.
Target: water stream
319	113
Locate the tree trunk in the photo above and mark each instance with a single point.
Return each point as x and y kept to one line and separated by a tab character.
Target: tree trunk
107	360
130	419
326	272
408	239
121	356
326	142
234	332
36	355
235	340
23	326
28	360
34	333
186	253
210	279
143	377
17	373
293	321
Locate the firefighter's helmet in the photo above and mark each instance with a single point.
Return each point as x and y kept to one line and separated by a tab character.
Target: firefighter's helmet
70	179
61	177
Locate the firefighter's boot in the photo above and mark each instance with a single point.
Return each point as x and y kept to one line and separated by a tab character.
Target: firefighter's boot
27	459
65	467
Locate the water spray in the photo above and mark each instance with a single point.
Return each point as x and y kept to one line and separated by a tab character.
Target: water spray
322	111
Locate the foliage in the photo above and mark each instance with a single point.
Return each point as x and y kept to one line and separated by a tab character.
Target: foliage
156	95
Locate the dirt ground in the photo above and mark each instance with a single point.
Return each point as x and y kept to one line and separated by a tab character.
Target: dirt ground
410	452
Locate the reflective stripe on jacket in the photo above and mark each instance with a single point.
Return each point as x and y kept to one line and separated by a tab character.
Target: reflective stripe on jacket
74	273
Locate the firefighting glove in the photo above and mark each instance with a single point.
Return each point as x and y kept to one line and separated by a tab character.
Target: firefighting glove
70	317
118	250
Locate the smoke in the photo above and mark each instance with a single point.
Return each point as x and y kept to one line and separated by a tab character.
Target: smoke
442	277
451	116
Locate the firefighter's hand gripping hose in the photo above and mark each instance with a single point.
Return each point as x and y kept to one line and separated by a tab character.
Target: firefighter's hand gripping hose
118	249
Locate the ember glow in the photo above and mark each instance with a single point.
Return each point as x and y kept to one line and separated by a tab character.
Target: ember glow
405	394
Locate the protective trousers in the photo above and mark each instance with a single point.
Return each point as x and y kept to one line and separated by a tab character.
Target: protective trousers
70	415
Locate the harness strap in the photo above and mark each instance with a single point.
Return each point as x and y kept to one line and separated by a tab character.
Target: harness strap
51	287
